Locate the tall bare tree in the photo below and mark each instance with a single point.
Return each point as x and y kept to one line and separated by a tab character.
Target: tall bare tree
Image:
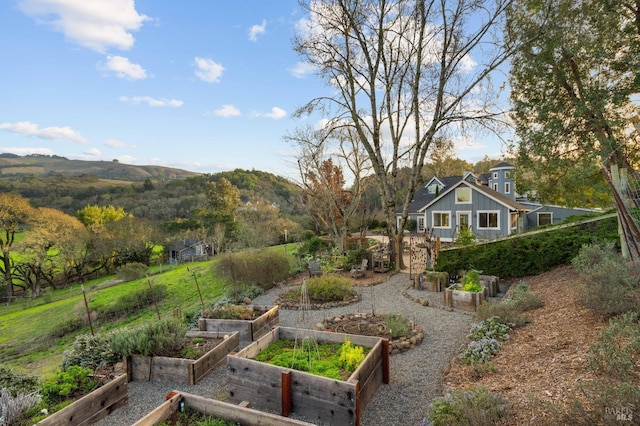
332	203
403	73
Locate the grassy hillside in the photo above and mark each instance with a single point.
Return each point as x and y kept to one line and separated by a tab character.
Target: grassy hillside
29	329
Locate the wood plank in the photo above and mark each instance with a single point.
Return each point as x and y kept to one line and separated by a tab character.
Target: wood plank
262	325
257	346
161	413
209	361
92	407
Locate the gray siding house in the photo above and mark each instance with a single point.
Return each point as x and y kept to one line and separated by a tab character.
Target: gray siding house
486	204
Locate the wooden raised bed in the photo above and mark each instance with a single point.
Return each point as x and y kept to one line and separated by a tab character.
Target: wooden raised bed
490	284
92	407
454	297
432	281
250	330
181	370
237	413
277	389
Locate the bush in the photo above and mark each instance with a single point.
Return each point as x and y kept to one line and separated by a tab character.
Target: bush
617	350
91	352
263	268
611	284
71	383
397	324
510	311
479	351
477	407
131	271
330	288
465	237
159	338
491	328
529	254
524	299
17	383
13	406
355	256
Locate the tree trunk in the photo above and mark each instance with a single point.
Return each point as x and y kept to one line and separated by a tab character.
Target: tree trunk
7	274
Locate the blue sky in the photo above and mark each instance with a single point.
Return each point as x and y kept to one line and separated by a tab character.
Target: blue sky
200	85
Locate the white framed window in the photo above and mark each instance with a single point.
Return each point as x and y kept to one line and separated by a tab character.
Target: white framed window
463	219
507	187
495	187
441	219
507	175
545	219
421	224
434	188
488	220
463	195
495	175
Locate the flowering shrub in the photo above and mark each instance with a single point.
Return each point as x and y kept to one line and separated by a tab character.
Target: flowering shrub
351	356
480	350
491	328
476	407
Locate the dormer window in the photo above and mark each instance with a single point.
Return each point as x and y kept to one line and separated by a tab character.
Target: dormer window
434	188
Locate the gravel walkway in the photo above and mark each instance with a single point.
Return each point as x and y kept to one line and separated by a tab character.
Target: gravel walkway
416	375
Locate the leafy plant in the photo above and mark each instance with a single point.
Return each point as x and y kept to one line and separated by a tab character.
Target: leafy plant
397	324
12	407
231	311
477	407
471	282
491	328
478	351
326	288
617	350
17	383
158	338
465	237
351	356
91	352
67	384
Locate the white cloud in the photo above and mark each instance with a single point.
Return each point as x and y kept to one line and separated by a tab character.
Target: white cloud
97	25
27	128
276	113
28	151
257	30
115	143
302	69
153	102
225	111
122	68
93	152
208	70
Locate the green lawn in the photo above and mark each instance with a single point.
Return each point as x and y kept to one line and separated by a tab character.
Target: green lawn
27	328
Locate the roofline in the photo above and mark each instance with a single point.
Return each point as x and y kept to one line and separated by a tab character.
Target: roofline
473	187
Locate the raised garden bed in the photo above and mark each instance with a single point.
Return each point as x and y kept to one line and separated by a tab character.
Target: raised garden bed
182	370
249	329
283	390
93	406
242	413
455	297
491	285
431	281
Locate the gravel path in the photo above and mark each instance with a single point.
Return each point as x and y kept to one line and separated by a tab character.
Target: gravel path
416	375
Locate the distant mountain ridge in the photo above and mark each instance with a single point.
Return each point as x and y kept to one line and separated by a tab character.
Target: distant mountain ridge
13	166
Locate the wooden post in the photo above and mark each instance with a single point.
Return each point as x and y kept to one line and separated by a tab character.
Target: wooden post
86	305
356	420
386	376
286	394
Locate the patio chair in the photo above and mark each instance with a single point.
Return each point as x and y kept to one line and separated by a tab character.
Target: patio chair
360	271
314	269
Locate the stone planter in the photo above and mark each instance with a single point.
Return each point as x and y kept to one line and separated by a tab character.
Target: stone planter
455	297
241	414
276	389
181	370
249	330
491	283
431	281
92	407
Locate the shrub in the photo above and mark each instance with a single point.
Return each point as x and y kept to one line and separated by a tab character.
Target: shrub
355	256
159	338
329	288
17	383
230	311
131	271
491	328
71	383
529	254
478	351
611	285
91	352
506	310
351	356
465	237
616	353
397	324
471	282
263	268
477	407
524	299
13	406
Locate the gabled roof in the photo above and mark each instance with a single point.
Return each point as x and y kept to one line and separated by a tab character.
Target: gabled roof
502	165
495	195
422	196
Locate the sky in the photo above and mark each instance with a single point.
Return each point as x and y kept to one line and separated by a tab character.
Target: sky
201	85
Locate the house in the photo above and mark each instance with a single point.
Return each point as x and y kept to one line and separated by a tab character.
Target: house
486	204
188	251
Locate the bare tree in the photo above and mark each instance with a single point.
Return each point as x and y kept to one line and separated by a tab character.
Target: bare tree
332	204
404	73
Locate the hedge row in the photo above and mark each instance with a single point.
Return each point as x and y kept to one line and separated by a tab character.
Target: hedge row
529	254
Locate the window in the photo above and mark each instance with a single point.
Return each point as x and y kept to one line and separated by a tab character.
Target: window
420	224
507	175
463	195
507	187
495	175
513	219
441	220
488	220
495	187
434	188
545	219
